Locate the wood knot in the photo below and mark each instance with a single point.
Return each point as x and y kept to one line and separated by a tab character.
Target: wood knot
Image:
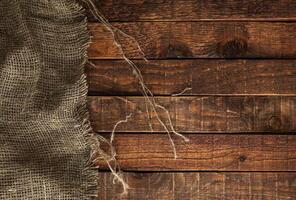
274	123
242	158
178	50
232	48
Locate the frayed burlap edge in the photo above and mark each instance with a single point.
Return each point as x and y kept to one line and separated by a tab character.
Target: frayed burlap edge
82	116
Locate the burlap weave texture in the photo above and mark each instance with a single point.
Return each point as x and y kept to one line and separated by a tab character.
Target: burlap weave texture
43	119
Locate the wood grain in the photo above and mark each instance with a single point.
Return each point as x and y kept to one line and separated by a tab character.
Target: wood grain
201	186
240	114
162	40
204	77
194	10
150	152
197	114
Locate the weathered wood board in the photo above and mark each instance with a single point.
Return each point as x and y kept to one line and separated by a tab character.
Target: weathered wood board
198	114
197	10
201	186
201	76
167	40
228	152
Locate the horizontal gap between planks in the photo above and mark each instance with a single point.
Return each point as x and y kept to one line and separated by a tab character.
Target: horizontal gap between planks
196	171
97	94
197	21
191	58
188	58
203	133
281	20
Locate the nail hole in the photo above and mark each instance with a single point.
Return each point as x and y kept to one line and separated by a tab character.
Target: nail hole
242	158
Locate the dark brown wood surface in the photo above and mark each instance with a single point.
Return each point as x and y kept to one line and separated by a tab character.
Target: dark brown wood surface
237	62
204	77
206	152
201	186
194	10
197	40
198	114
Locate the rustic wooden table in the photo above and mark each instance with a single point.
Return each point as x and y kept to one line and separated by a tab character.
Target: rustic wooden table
237	59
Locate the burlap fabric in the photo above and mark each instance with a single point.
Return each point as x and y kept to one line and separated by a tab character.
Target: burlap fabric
43	119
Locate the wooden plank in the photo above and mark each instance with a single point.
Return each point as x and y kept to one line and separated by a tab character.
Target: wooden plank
150	152
161	40
197	114
193	10
204	77
200	185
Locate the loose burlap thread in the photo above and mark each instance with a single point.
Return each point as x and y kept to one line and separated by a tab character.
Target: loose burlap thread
45	138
